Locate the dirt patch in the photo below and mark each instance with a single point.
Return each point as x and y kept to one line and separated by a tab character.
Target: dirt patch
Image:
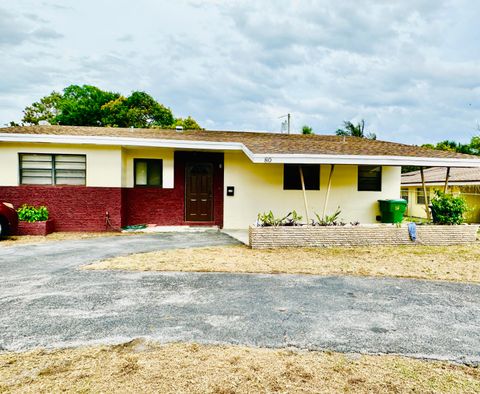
192	368
59	236
452	263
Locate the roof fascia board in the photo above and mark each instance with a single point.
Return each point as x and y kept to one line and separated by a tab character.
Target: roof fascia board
255	158
119	141
366	160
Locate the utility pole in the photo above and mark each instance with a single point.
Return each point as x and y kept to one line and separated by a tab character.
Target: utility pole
288	122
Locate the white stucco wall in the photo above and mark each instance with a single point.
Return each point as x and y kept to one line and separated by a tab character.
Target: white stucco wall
154	153
104	164
259	188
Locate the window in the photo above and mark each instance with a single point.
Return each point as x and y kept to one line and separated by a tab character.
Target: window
404	194
369	178
148	172
291	176
421	196
49	169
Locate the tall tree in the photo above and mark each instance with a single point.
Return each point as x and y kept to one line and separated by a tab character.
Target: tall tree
471	149
82	105
188	123
138	110
355	130
44	110
90	106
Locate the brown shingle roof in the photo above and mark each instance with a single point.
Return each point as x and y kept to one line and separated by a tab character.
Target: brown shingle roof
438	174
260	143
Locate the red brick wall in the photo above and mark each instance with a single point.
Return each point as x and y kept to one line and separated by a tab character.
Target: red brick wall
75	208
72	208
144	205
153	205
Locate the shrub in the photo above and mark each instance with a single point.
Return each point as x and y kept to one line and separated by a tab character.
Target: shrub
448	209
30	214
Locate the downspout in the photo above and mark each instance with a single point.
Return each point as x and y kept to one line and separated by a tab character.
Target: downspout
329	186
425	194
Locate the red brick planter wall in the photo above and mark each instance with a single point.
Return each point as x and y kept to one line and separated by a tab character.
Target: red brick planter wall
35	228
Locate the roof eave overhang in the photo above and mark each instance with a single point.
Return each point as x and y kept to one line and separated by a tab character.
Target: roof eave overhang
297	158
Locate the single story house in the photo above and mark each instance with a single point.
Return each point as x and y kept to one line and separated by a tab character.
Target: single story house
461	181
168	177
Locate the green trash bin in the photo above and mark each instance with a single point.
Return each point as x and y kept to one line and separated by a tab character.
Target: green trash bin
392	211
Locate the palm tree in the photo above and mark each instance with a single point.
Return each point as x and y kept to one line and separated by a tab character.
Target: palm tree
355	130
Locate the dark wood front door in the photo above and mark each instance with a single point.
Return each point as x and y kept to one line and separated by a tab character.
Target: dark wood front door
199	192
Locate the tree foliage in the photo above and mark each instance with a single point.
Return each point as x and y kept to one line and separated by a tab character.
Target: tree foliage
139	110
45	110
355	130
82	105
88	105
306	130
188	123
472	148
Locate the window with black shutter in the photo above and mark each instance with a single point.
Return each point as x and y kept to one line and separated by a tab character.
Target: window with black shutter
369	178
292	179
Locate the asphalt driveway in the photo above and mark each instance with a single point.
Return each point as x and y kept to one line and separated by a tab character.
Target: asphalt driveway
45	301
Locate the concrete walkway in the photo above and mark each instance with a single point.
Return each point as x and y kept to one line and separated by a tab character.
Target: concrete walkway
45	301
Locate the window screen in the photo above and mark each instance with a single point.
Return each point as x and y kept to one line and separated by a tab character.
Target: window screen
292	180
148	172
421	196
50	169
370	178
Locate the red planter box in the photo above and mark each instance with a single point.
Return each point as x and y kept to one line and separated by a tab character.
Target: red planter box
35	228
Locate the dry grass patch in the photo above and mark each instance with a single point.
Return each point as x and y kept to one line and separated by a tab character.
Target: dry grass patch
190	368
453	263
58	236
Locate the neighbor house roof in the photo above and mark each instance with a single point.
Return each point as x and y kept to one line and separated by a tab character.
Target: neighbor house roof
436	176
260	147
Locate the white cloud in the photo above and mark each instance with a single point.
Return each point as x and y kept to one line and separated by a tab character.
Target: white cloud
410	68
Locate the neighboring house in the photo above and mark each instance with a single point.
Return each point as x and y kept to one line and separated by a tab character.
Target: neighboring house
168	177
461	181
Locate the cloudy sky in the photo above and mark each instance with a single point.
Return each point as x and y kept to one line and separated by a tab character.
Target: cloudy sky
410	68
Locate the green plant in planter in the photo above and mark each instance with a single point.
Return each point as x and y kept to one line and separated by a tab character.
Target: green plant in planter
31	214
330	220
448	209
293	219
269	219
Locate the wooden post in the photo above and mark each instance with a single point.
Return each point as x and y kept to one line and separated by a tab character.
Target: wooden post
445	188
425	194
304	193
329	186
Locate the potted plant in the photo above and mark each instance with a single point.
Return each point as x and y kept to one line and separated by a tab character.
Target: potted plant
34	220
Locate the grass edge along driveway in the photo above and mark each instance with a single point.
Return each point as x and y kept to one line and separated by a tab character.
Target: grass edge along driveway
193	368
450	263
